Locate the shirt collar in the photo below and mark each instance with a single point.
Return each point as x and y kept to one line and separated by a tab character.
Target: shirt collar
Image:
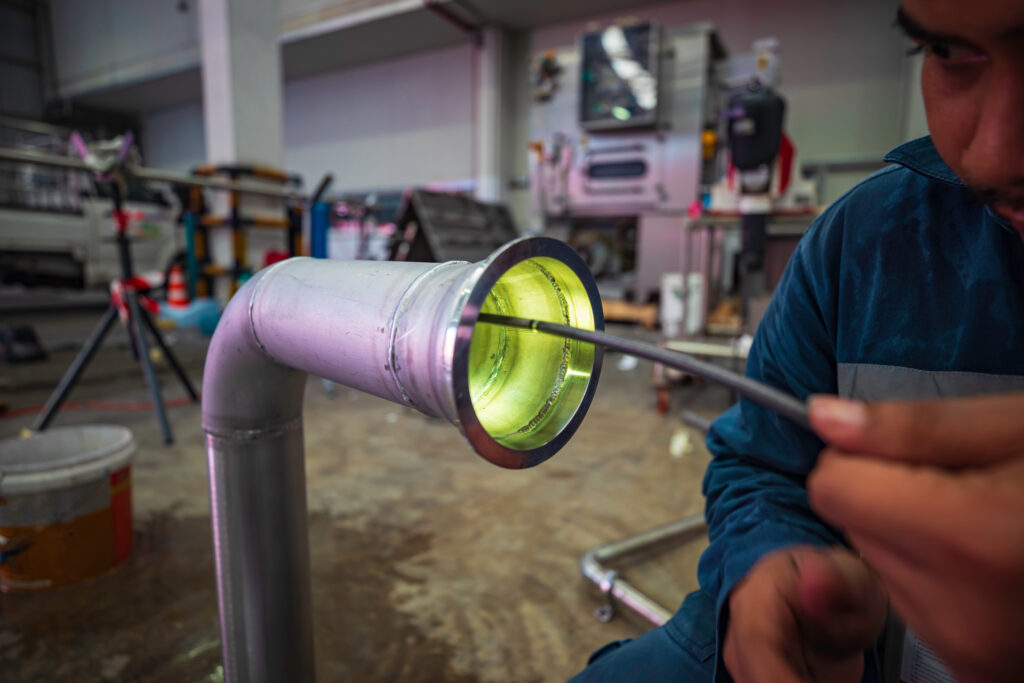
921	156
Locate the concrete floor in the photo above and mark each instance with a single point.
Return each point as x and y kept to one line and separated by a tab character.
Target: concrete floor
429	563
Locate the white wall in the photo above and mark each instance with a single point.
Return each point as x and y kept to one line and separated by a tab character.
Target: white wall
174	139
391	124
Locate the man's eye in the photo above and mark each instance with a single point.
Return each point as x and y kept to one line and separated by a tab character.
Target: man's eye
953	55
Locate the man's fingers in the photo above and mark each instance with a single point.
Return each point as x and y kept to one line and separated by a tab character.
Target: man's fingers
879	498
914	509
962	432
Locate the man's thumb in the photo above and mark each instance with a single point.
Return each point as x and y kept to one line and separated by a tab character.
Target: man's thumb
842	601
951	432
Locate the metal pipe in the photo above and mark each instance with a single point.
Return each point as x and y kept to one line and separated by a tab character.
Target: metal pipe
696	421
402	331
30	126
243	186
151	174
617	590
706	349
763	394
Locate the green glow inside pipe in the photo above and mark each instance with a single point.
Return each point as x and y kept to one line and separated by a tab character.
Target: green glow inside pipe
525	387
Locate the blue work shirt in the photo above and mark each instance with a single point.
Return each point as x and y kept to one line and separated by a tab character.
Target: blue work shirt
906	287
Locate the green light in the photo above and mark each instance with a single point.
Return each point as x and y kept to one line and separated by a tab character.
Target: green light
621	113
526	386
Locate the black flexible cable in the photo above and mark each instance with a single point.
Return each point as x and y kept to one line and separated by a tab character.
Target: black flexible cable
778	401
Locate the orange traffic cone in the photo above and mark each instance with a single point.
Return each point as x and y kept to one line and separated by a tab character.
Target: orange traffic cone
177	292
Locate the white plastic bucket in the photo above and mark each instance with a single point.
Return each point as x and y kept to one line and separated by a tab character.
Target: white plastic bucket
671	306
65	505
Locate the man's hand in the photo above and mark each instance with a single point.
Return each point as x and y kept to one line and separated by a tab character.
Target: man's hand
932	494
804	614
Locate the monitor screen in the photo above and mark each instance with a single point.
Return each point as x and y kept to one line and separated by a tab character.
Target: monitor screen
619	77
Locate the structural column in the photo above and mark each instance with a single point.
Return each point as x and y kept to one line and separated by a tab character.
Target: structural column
242	89
490	106
242	111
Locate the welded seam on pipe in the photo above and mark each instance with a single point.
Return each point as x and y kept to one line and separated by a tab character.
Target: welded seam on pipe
255	434
251	309
438	391
451	336
393	323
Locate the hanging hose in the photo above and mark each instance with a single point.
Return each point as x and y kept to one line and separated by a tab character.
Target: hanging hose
778	401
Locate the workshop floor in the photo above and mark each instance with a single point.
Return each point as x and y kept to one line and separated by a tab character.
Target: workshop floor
429	564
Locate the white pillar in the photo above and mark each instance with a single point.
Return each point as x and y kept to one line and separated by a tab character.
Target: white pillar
242	112
490	121
242	89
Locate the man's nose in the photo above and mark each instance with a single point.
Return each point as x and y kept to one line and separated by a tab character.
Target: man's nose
995	157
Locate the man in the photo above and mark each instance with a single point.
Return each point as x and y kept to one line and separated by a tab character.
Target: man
910	287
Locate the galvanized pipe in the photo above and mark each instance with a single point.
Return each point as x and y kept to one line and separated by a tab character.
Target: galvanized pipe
401	331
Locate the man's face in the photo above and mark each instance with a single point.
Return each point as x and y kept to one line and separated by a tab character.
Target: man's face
973	85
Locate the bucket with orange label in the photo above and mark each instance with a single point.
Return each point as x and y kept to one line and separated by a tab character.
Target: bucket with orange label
65	505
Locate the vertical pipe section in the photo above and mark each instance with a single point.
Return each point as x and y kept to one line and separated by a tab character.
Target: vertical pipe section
258	492
252	415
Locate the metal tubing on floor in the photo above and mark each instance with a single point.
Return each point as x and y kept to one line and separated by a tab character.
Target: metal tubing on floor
617	590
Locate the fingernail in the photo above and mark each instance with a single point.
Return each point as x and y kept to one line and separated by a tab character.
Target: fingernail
839	412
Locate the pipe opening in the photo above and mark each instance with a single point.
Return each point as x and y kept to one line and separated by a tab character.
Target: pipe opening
526	387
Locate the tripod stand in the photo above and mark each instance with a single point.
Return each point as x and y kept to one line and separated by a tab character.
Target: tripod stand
125	300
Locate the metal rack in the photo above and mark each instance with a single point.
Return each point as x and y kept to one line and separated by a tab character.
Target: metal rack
201	269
